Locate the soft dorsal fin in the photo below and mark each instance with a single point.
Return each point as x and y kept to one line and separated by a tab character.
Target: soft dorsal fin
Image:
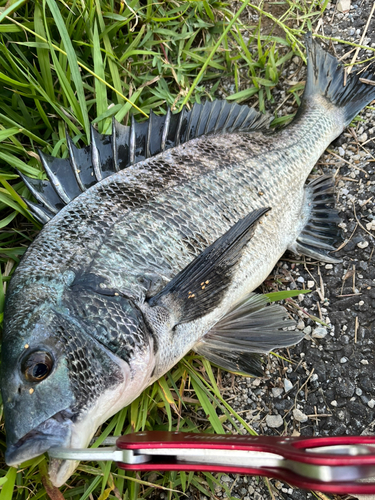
128	145
320	234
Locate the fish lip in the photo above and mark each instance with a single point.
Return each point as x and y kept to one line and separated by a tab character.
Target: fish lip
55	431
59	470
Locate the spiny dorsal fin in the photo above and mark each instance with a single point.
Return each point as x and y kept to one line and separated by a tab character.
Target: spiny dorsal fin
45	194
128	145
39	211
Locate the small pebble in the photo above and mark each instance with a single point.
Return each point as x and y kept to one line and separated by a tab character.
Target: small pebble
371	403
358	391
364	362
277	391
226	478
343	360
334	403
319	333
288	386
274	421
310	284
362	244
329	266
300	279
307	330
299	416
300	325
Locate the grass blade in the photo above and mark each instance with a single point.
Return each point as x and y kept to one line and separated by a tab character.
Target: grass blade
216	46
12	8
6	492
275	296
73	64
43	54
100	89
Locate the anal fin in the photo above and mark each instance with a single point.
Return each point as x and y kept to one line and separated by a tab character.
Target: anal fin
250	329
320	233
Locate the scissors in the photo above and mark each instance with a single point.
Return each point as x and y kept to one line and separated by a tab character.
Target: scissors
328	464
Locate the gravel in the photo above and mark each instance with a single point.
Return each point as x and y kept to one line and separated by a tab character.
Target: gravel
332	390
288	386
274	421
300	416
327	386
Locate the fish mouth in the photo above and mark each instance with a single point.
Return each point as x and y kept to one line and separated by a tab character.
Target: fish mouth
55	431
61	430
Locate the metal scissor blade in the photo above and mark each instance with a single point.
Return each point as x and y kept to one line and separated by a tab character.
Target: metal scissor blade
111	453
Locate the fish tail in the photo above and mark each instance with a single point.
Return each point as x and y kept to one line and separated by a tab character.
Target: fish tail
326	77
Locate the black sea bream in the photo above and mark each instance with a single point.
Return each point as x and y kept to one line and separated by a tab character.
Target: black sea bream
136	266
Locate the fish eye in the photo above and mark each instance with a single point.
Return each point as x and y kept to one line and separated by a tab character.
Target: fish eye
37	366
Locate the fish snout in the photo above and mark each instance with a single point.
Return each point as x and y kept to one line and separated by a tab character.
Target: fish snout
55	431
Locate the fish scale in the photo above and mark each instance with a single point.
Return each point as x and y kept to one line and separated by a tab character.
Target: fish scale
221	187
160	254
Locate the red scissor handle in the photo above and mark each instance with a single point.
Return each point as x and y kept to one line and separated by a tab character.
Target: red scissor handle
293	449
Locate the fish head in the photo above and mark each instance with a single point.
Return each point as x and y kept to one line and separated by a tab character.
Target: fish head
58	381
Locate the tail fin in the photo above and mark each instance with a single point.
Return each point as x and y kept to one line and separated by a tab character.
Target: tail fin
326	77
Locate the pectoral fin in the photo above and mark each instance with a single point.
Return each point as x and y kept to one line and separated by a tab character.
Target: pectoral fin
200	287
248	330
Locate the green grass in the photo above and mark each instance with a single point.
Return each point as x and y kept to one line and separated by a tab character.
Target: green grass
66	64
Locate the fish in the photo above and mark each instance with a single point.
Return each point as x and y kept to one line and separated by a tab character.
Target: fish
154	239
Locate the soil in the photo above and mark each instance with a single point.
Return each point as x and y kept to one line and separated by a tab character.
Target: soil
327	385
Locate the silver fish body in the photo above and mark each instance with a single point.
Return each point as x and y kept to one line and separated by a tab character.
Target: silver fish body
84	334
